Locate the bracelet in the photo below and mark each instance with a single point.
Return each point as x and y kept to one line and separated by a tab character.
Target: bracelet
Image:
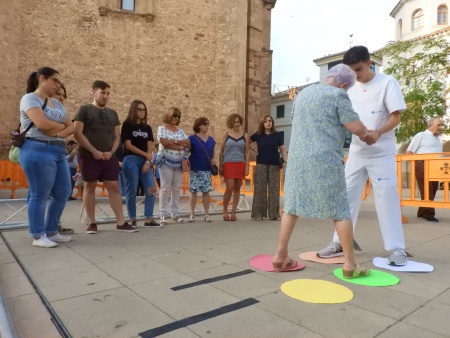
147	162
94	151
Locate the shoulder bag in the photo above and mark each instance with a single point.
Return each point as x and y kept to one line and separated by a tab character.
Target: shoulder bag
214	168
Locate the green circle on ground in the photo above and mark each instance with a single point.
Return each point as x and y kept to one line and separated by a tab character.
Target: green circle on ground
376	278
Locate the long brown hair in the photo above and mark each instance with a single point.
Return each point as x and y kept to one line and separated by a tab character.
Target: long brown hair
132	113
261	129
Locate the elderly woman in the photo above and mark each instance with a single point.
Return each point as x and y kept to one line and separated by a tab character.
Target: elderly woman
173	146
234	159
315	180
267	171
202	152
43	156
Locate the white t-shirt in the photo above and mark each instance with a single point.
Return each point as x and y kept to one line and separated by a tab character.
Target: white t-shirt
424	143
374	101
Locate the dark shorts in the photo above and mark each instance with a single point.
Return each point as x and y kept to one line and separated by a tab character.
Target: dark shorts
93	170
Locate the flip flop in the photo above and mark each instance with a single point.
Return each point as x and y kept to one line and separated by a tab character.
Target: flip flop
288	263
226	218
358	271
233	218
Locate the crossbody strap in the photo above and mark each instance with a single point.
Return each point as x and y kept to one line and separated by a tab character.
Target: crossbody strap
32	124
201	143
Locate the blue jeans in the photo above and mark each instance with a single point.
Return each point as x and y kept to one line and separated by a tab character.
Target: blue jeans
122	184
132	169
48	176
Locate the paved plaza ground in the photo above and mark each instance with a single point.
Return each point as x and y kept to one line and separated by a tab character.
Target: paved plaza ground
116	284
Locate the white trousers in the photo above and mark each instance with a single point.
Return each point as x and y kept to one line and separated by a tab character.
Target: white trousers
382	172
171	180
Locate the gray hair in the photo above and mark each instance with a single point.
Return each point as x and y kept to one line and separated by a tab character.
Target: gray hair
342	74
431	120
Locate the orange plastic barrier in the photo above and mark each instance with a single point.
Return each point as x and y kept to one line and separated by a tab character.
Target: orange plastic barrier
436	168
12	177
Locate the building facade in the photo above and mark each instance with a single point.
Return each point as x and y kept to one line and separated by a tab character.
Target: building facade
207	57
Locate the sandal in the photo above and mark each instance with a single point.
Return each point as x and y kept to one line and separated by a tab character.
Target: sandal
226	218
358	271
287	264
233	218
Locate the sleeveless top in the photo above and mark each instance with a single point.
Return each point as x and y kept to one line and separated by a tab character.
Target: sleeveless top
234	149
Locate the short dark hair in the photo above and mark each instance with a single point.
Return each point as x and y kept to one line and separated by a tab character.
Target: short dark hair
199	122
98	84
231	118
355	55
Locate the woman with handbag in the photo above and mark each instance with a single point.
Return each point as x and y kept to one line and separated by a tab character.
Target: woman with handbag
173	149
137	138
234	166
266	178
202	152
43	156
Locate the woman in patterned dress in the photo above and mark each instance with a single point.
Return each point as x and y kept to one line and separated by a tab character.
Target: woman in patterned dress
173	145
202	152
315	181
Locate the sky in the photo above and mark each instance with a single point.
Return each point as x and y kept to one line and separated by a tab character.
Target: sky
304	30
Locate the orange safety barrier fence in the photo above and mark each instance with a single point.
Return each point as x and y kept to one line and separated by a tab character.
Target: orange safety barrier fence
12	177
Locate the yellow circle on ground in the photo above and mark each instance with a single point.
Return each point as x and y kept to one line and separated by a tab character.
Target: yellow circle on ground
317	291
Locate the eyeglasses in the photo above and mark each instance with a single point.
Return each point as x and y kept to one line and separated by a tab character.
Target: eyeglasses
176	116
141	109
56	81
205	123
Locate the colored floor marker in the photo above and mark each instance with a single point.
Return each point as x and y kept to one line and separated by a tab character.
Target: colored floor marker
317	291
312	257
264	263
410	266
376	278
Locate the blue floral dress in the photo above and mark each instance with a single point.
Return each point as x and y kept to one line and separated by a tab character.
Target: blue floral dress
315	179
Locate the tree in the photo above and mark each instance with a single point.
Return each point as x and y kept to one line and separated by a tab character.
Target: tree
422	69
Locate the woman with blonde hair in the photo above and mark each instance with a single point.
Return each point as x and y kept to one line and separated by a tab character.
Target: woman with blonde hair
173	146
234	166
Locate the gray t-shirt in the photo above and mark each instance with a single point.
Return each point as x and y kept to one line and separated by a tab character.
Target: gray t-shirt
57	114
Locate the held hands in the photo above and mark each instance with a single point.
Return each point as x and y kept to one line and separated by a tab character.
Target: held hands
371	137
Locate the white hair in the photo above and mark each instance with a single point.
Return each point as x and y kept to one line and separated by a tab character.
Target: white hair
432	119
342	74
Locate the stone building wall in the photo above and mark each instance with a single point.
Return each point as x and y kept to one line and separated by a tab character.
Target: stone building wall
195	55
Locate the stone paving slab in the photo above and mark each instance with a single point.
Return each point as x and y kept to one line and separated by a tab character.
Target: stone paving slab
115	284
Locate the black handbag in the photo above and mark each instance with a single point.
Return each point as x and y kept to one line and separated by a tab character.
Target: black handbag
214	168
17	137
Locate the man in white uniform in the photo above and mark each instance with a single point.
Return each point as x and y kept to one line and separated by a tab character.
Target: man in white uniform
426	142
378	100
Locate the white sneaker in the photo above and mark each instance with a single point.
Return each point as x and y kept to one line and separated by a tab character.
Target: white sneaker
44	242
178	219
162	220
191	219
58	238
208	219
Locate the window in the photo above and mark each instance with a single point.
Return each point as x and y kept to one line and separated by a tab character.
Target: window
417	19
400	28
280	111
127	5
442	14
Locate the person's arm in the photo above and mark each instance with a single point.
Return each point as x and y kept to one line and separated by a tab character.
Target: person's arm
50	128
222	151
247	154
68	130
360	130
408	152
84	142
394	120
283	154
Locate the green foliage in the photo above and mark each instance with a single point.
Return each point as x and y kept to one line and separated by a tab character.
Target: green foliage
422	71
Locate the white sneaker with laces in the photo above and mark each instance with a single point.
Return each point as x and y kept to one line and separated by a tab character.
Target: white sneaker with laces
58	238
162	220
178	219
44	242
398	257
191	219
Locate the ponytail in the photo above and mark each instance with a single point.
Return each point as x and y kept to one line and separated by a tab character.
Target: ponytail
33	79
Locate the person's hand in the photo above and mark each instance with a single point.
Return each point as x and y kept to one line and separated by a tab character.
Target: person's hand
98	155
107	155
246	170
145	168
371	137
